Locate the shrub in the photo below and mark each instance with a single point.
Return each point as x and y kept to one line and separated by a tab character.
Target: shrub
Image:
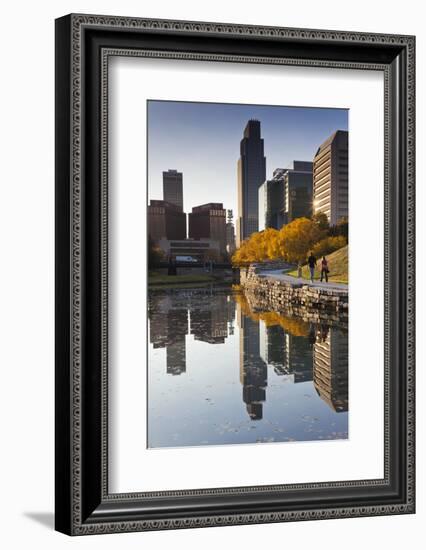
328	245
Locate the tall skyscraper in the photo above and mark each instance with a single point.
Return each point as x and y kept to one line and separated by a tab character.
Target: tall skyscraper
208	221
298	184
331	177
173	188
271	201
251	175
287	196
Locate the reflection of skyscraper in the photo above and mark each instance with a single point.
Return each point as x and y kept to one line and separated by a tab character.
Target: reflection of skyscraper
209	319
331	369
288	354
177	320
230	316
173	188
212	317
291	355
298	352
251	174
253	370
157	313
168	327
272	344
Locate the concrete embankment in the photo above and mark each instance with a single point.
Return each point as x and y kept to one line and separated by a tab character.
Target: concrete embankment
271	290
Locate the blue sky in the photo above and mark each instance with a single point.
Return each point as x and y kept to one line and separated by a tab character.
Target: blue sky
202	140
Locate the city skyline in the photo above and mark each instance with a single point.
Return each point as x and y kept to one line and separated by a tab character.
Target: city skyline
211	133
224	366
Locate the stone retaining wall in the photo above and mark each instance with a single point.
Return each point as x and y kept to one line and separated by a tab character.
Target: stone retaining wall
303	300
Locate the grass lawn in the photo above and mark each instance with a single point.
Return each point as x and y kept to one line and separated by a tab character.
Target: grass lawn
337	264
157	279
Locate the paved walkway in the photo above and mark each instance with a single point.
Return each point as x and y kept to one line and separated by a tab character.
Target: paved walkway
279	275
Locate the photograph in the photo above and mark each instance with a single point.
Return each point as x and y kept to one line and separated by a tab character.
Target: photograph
248	247
207	370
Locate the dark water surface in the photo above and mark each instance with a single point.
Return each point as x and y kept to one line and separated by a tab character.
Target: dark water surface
220	373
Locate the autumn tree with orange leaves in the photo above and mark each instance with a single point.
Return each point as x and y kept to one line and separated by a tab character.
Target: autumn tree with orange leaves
258	247
298	237
291	243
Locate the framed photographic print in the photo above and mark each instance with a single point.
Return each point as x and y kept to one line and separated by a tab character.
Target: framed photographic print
234	274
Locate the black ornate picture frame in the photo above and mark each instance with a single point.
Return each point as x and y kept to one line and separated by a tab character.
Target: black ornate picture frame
84	43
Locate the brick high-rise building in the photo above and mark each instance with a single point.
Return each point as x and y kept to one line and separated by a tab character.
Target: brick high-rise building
331	177
165	221
251	175
173	188
208	221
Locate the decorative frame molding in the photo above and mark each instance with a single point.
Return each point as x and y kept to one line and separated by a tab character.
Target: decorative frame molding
84	43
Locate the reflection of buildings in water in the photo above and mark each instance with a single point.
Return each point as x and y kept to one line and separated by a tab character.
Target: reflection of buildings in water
158	307
321	356
253	369
209	322
287	354
176	349
176	358
211	316
230	311
331	369
299	358
168	322
272	344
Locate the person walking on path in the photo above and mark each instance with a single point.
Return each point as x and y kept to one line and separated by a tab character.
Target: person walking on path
324	269
312	262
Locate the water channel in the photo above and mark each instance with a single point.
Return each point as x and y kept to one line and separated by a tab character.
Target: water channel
220	373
